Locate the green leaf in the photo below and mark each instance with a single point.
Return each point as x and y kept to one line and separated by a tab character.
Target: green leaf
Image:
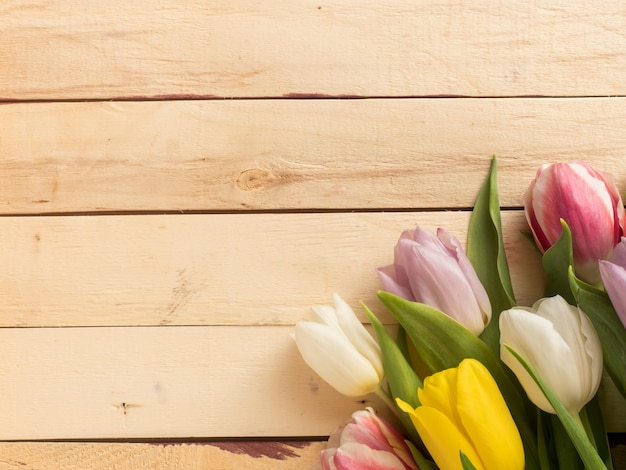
485	250
572	425
545	439
556	263
466	463
422	462
592	418
401	379
566	454
598	307
443	343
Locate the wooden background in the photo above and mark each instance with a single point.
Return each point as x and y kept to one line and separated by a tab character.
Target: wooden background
181	180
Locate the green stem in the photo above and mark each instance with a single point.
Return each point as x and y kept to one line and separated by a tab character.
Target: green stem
384	396
586	425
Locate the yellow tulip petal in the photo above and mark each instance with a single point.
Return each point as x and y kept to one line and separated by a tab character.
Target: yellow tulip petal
443	439
486	419
440	392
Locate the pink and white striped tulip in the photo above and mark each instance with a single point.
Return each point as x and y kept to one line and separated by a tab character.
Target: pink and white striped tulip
588	201
434	270
614	278
366	442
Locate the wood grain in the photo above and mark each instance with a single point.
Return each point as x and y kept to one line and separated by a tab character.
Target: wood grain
214	269
205	456
163	382
60	50
293	154
173	382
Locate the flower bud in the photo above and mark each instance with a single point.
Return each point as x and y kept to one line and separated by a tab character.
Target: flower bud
340	350
462	410
588	201
561	344
366	442
434	270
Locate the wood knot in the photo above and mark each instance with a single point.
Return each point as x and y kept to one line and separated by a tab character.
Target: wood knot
254	178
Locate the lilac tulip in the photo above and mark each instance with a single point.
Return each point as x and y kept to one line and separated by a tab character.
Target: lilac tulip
588	201
614	278
434	270
366	442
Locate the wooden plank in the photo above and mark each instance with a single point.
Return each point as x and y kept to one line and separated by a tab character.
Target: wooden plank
52	456
222	456
56	50
163	382
216	269
171	382
293	154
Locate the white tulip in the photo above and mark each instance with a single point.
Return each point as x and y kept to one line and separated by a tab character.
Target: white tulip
340	350
560	342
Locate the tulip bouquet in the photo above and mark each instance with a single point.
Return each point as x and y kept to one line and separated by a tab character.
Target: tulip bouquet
476	381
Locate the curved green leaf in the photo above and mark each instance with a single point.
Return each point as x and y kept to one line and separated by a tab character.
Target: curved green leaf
402	381
485	250
574	430
598	307
556	263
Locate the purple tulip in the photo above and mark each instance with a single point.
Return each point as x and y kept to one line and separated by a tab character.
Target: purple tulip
588	201
614	278
434	270
366	442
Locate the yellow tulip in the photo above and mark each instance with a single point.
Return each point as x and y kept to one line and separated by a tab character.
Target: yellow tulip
462	410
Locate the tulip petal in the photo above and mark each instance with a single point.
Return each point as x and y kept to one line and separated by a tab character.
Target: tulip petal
619	253
486	418
614	279
443	439
386	275
536	339
455	249
328	352
356	456
436	280
376	433
589	203
358	335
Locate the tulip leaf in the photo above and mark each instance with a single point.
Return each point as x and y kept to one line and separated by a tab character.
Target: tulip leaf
466	463
572	425
485	250
443	343
556	263
592	418
422	462
598	307
545	439
402	381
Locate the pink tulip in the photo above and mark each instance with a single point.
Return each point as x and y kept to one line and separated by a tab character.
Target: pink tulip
588	201
434	270
366	442
614	278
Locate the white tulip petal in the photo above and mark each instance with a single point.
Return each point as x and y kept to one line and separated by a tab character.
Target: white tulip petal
536	340
357	334
326	315
328	352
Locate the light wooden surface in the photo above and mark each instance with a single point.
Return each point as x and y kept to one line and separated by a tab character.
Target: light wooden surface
244	48
182	180
292	154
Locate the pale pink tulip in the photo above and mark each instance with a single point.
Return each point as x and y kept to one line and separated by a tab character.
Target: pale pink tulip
366	442
614	278
588	201
434	270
